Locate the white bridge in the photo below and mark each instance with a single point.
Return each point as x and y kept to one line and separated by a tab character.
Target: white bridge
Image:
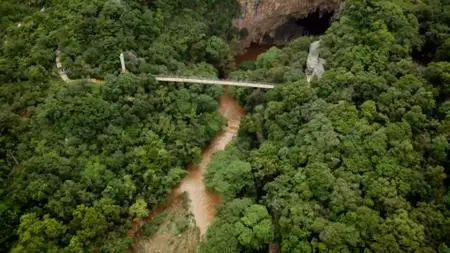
169	79
212	81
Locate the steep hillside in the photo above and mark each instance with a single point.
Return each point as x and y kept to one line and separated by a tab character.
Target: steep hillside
262	18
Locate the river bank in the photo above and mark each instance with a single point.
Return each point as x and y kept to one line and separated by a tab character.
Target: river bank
202	202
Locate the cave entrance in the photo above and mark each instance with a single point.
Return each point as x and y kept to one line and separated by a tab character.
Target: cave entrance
316	23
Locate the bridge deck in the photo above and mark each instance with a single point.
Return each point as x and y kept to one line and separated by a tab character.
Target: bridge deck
215	82
66	79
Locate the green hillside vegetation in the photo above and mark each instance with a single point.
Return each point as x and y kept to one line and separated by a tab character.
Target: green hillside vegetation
354	162
79	162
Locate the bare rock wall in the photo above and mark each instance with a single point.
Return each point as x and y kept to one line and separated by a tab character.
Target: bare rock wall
263	17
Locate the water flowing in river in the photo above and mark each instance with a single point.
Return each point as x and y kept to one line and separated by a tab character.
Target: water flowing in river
203	202
251	53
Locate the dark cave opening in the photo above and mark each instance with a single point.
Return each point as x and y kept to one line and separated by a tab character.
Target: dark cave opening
316	23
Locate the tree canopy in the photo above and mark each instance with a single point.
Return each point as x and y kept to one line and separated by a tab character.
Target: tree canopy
358	160
80	162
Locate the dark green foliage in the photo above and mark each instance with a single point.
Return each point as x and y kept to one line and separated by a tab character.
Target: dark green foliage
354	162
358	160
80	161
228	175
101	156
150	228
240	226
92	34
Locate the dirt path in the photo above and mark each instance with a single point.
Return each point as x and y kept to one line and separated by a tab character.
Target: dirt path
63	75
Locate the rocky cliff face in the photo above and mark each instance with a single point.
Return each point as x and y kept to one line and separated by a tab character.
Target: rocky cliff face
276	20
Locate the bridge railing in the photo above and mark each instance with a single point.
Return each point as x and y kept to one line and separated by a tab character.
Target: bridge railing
203	80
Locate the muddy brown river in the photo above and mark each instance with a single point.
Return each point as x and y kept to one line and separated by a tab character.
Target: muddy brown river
204	202
251	53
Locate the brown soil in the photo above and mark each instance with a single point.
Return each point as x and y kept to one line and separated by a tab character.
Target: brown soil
171	237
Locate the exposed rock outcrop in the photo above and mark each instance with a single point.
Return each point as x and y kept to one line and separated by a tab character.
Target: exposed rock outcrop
261	18
314	64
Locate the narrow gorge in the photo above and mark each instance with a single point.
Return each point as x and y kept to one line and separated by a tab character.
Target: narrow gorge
264	25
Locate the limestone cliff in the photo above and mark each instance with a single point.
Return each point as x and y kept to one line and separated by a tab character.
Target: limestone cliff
262	18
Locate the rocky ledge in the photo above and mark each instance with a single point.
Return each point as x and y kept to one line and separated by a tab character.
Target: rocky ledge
274	21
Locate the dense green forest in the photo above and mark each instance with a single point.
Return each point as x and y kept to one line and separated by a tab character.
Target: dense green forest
80	162
354	162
